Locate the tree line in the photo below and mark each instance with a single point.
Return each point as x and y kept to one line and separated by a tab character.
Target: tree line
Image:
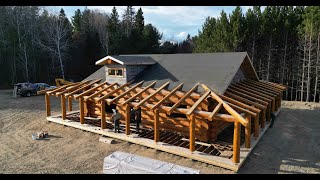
282	42
38	46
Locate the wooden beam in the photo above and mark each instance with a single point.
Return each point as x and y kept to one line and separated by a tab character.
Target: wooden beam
249	95
167	96
192	132
125	93
253	87
48	109
81	106
215	111
90	90
127	119
197	103
136	95
69	103
283	87
99	92
151	95
265	85
247	141
60	88
202	114
63	107
276	94
244	100
82	88
254	93
227	107
240	104
252	96
252	90
112	92
156	126
183	98
71	88
46	91
103	115
236	142
242	109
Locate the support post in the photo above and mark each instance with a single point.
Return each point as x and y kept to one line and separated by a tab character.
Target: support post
47	98
69	103
156	126
103	114
63	107
81	106
127	119
192	133
256	127
236	142
263	119
248	132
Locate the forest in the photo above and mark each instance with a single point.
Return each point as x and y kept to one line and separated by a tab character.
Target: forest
283	43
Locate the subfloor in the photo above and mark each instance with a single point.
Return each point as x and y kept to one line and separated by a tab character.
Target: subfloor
291	146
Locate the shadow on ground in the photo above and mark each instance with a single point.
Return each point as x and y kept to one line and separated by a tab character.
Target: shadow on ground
291	146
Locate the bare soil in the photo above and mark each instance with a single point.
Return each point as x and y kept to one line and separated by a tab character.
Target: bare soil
291	146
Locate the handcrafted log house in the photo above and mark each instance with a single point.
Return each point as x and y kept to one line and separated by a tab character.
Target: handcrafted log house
194	95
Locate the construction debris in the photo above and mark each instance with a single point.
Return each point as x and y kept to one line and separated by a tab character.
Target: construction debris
40	135
107	140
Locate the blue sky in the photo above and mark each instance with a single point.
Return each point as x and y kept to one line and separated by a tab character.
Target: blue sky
175	22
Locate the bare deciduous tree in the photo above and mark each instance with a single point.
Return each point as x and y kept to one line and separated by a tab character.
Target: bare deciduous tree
56	40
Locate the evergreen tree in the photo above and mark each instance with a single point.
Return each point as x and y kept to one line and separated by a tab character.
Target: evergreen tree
236	24
76	21
139	22
151	37
115	35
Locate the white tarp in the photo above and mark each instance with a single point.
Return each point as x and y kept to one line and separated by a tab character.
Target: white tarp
125	163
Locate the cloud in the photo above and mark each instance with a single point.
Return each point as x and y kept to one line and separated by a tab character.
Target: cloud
182	35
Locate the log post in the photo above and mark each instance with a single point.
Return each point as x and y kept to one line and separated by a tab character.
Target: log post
156	126
268	111
69	103
248	132
103	114
263	120
47	98
81	106
127	119
63	107
236	142
192	132
256	126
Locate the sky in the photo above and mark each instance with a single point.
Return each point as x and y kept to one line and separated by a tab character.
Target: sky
175	22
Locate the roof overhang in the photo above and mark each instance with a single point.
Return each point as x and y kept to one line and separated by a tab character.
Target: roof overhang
107	60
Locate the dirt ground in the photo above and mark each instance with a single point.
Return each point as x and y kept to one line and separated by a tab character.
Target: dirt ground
291	146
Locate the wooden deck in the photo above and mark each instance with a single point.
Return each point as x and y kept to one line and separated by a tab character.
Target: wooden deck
218	153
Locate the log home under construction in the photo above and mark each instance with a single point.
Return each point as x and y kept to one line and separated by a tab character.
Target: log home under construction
210	107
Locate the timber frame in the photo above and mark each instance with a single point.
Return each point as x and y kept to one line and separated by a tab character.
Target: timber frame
247	104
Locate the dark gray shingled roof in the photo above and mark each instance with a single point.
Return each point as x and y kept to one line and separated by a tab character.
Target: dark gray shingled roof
216	70
100	73
129	60
133	60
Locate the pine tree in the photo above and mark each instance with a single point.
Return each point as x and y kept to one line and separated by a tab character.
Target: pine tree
139	22
115	33
236	24
76	21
